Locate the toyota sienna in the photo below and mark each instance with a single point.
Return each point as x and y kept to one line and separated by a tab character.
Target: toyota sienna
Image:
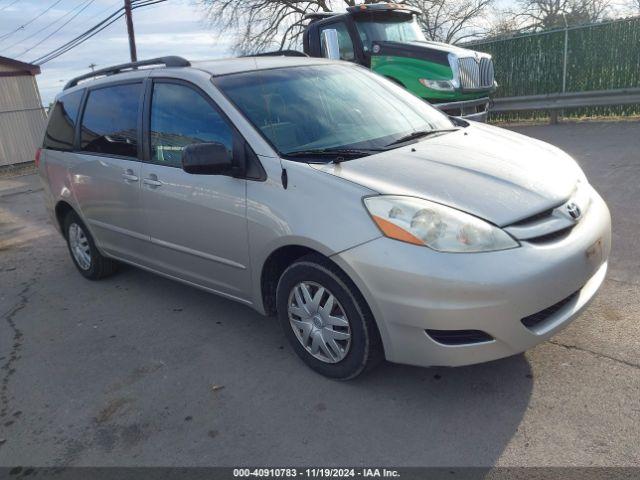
371	224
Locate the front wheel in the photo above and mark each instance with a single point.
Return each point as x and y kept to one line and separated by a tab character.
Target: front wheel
326	319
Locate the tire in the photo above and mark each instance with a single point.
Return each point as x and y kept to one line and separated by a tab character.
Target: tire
77	235
304	317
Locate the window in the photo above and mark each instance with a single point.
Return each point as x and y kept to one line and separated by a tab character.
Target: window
62	124
329	106
344	39
110	121
391	27
180	116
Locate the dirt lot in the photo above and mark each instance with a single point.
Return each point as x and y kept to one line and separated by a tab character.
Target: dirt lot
122	372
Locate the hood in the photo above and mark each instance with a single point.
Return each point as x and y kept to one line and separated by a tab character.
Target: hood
422	50
495	174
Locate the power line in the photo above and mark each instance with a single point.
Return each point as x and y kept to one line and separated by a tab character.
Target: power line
111	19
83	37
46	27
8	5
89	2
48	58
21	27
145	3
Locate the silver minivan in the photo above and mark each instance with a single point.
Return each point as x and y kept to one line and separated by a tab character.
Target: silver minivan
372	225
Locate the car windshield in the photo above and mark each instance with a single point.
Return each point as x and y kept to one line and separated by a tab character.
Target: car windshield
388	28
321	107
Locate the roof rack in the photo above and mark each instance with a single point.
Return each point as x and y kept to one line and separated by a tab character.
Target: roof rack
170	61
279	53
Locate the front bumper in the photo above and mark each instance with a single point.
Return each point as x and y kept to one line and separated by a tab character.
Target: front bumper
411	289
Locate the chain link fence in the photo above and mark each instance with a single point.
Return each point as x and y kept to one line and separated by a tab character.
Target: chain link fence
599	56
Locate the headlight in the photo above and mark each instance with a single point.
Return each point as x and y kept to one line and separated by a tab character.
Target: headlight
442	85
436	226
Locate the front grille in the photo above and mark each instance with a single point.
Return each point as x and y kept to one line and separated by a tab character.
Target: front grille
459	337
533	219
475	74
551	237
536	319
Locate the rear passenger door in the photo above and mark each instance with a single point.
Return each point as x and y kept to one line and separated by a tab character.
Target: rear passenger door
197	223
105	172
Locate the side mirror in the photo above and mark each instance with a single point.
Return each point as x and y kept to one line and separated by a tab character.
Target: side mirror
330	44
206	159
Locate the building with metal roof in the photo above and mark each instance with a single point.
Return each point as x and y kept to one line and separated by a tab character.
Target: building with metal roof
22	117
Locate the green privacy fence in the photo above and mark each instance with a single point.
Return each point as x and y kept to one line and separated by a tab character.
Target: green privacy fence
599	56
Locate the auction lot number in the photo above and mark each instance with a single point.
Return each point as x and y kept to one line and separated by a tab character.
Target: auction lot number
315	472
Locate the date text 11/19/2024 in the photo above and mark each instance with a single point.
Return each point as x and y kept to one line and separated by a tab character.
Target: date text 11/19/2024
315	472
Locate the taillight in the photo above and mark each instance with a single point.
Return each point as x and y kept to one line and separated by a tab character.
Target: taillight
37	159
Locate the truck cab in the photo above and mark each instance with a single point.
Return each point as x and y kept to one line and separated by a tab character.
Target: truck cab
386	38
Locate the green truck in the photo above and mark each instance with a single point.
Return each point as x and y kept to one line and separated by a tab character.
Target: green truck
386	38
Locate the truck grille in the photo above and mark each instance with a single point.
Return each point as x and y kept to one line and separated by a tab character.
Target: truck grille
476	74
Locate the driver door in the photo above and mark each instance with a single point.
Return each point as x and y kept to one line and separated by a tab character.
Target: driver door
197	223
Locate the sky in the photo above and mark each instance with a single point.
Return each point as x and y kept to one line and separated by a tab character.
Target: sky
175	27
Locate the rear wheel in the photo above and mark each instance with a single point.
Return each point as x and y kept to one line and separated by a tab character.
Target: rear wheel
86	257
326	320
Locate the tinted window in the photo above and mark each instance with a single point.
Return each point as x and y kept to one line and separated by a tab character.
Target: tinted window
110	121
344	40
180	116
62	122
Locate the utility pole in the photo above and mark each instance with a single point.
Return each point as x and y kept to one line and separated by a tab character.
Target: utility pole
132	37
93	67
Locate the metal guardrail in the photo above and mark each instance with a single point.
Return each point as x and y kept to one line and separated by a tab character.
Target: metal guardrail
559	101
468	109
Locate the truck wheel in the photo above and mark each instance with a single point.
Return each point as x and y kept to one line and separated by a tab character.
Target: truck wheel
86	257
326	320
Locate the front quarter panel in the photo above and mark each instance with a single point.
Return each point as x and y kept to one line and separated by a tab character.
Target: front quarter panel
316	211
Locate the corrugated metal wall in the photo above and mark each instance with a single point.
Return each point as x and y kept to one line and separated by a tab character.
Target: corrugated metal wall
22	118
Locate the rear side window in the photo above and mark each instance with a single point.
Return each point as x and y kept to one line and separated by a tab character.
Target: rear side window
62	123
110	121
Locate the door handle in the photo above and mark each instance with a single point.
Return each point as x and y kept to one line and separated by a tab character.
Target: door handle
152	181
129	176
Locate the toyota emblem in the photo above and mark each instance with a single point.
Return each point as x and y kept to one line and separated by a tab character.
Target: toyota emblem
574	211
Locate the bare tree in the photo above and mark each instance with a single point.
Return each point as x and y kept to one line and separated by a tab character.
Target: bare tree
503	24
548	14
452	21
260	25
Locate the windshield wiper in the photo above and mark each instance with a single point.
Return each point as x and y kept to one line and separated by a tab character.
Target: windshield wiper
336	154
419	134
